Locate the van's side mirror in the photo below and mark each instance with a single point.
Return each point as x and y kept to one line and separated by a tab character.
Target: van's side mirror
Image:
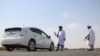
49	37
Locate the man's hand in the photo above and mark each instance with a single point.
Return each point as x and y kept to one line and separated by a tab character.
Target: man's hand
87	37
55	33
64	39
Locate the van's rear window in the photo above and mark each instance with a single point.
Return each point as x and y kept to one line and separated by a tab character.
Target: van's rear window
12	29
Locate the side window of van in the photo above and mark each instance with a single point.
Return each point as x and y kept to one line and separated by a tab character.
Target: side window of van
35	31
44	35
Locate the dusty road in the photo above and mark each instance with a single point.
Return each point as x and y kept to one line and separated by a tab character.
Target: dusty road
53	53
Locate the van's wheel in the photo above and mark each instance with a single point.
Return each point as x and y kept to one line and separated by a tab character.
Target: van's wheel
31	46
51	47
9	48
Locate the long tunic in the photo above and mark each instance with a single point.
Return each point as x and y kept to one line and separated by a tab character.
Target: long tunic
91	34
61	37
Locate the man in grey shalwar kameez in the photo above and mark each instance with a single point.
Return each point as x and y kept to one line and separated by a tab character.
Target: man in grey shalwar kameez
61	38
91	38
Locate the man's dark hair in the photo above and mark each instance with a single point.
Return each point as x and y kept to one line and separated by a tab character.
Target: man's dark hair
89	26
60	27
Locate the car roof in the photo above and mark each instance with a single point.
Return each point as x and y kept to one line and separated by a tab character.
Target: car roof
32	28
24	28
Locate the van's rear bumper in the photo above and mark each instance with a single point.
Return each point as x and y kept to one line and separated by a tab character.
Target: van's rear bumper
15	45
12	42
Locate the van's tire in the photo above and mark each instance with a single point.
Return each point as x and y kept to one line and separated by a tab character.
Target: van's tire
31	46
51	47
9	48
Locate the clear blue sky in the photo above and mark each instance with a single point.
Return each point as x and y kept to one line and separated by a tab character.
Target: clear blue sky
73	15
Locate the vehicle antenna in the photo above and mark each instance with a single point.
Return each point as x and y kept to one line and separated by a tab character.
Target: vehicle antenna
23	26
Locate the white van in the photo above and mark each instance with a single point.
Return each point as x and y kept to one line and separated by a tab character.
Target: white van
30	38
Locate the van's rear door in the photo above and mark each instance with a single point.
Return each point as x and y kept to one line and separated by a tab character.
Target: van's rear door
13	31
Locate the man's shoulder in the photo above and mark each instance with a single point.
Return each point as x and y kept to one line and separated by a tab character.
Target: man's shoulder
91	30
63	30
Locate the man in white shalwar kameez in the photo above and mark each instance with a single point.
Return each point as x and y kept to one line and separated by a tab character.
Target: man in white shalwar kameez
91	38
61	38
